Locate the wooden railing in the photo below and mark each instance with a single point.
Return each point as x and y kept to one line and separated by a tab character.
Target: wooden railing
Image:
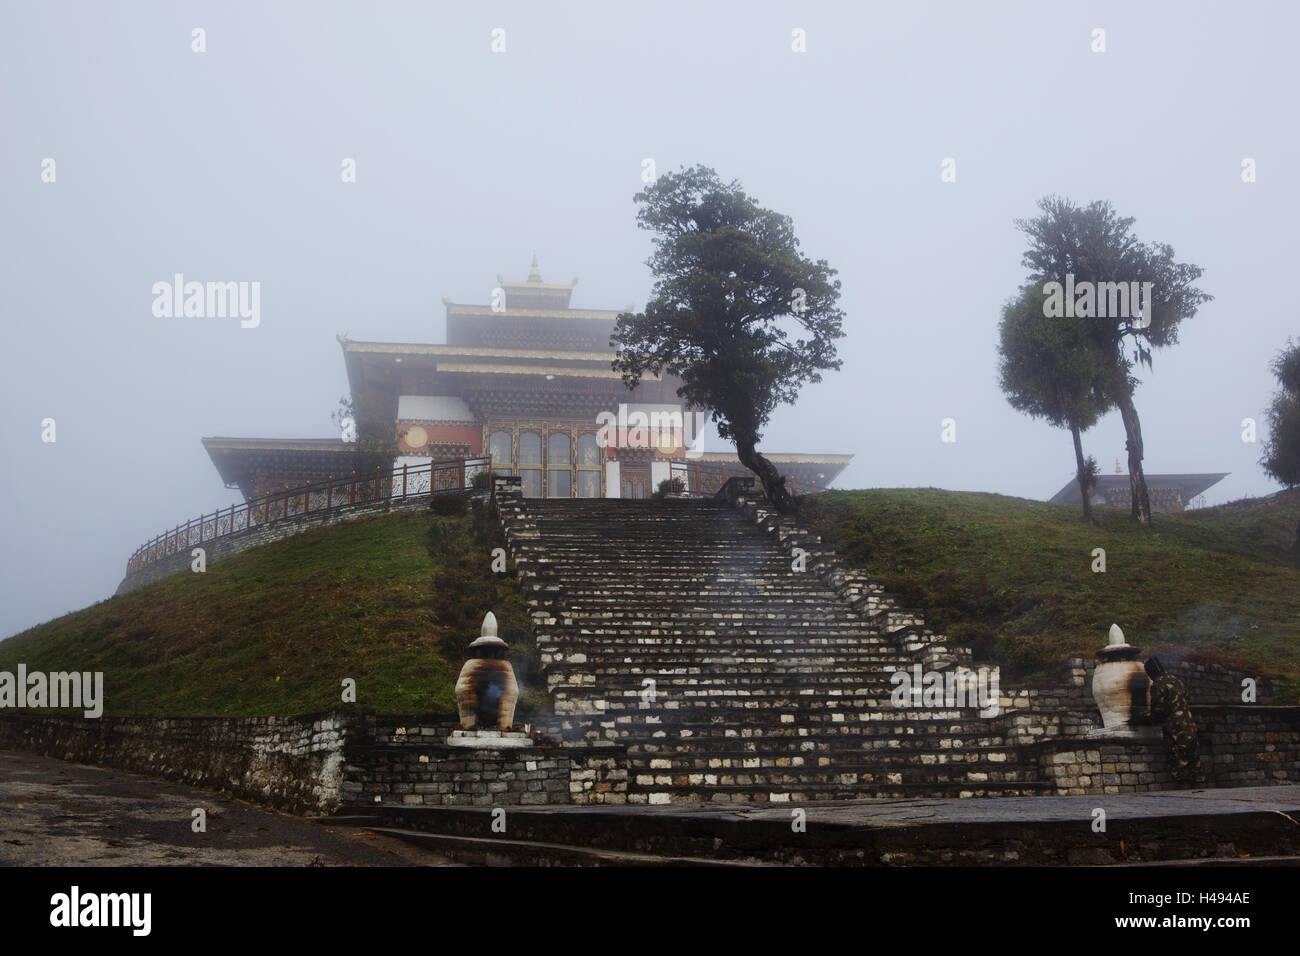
437	477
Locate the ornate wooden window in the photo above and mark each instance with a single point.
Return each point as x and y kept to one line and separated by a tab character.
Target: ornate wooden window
559	465
530	464
588	466
501	448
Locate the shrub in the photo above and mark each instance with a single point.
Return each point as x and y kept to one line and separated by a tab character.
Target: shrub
670	486
448	505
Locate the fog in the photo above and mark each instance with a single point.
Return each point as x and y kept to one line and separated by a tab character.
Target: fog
225	165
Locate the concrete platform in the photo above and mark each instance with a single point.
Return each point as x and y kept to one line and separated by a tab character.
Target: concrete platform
1229	825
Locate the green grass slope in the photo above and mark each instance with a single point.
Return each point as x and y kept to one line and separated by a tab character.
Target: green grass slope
391	602
1013	578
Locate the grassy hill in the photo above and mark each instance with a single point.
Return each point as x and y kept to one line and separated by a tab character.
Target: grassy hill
1013	578
393	602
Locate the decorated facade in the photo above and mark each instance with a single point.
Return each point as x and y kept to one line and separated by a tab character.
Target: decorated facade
526	380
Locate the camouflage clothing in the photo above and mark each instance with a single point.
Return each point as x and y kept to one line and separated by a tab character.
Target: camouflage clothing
1169	705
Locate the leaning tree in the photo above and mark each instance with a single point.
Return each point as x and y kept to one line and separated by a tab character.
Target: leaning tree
1091	244
1051	369
737	313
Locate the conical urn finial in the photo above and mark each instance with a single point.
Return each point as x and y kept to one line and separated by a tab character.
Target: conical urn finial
487	691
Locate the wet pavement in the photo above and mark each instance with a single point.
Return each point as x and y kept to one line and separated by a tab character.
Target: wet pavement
55	813
880	813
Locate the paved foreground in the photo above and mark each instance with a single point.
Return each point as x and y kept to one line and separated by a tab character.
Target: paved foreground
55	813
1047	809
1250	825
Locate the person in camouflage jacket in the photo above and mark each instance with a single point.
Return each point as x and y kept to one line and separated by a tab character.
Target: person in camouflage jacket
1169	706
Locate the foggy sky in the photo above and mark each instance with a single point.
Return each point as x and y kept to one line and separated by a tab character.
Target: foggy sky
225	166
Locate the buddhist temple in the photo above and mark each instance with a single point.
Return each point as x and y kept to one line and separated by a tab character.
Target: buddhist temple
1170	494
526	380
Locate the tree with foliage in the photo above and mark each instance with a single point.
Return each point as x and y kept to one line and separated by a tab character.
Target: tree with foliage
737	313
369	427
1050	368
1282	447
1093	244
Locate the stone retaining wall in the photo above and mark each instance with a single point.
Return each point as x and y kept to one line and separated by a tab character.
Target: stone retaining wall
411	764
1250	744
1065	708
1240	746
319	763
290	763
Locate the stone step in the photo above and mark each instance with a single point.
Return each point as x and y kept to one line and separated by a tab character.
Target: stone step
674	754
767	723
1041	832
651	775
502	851
767	674
806	688
879	663
821	745
873	664
700	619
794	685
787	593
797	793
751	711
763	630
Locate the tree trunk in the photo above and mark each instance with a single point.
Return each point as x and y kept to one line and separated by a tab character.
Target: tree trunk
773	483
1083	475
1141	503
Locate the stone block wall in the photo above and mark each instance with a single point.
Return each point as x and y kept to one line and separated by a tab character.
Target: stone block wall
1060	708
1065	708
1105	765
1213	684
410	763
1246	745
290	763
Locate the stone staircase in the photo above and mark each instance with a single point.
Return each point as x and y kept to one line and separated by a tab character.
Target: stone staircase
683	630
